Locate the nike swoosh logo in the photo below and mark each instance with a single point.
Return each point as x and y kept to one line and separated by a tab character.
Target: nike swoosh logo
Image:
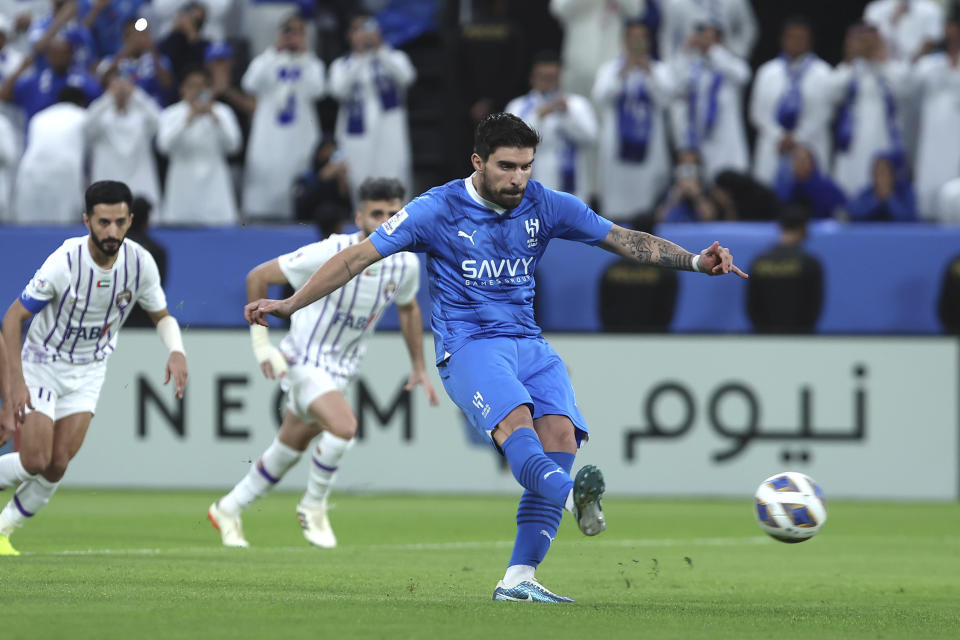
550	473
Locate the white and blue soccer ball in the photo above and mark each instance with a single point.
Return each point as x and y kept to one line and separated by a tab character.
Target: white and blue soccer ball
790	507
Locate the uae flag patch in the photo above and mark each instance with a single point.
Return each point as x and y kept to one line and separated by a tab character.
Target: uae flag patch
103	284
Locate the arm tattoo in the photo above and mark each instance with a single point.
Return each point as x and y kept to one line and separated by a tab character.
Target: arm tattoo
649	249
346	265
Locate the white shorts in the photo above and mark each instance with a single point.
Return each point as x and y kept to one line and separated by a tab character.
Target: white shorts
303	384
59	389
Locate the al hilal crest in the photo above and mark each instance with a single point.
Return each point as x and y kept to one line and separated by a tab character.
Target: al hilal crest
123	298
533	228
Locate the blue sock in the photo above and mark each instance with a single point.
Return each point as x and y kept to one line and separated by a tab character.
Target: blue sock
534	470
538	521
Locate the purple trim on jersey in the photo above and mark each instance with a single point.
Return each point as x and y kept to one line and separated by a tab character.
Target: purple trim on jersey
16	502
83	314
106	318
74	307
306	350
323	466
264	473
353	302
136	286
40	393
32	305
356	341
323	340
63	298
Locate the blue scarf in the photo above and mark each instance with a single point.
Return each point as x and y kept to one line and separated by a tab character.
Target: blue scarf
288	111
634	119
844	128
355	110
386	87
710	113
791	103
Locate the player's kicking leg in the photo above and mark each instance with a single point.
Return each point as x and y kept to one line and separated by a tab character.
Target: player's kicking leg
46	449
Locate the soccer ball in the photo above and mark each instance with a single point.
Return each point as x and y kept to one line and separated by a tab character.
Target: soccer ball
790	507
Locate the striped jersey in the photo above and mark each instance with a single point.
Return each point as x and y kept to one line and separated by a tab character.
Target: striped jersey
79	307
330	333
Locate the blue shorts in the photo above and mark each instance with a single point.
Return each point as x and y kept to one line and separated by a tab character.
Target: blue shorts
490	377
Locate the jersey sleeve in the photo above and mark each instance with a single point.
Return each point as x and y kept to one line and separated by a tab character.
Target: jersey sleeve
297	266
407	291
574	220
51	278
408	229
153	298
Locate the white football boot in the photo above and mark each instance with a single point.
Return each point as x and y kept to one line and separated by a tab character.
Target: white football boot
230	527
316	526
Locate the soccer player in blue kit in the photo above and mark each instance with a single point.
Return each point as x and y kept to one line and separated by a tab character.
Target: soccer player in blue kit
483	236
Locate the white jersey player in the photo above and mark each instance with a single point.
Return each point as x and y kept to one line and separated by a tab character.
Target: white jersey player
78	299
319	357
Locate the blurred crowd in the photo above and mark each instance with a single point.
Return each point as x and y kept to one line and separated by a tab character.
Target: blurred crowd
649	109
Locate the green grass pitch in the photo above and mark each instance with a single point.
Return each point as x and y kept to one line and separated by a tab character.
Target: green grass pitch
142	564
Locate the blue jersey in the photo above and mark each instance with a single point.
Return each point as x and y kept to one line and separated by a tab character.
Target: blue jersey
40	89
481	258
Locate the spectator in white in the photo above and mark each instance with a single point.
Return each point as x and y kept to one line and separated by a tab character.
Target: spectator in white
787	105
566	123
592	33
911	28
9	156
370	83
867	122
936	80
708	117
49	187
287	79
10	61
120	128
632	92
681	18
948	202
140	61
198	134
21	15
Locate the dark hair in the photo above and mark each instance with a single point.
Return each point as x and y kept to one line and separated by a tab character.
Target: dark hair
72	95
380	189
547	56
503	130
140	208
107	192
797	20
793	217
196	68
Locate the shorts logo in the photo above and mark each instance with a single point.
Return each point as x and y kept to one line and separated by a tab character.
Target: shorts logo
123	298
391	225
480	404
533	228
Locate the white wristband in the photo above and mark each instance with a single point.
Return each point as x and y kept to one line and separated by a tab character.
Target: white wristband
695	264
169	330
264	351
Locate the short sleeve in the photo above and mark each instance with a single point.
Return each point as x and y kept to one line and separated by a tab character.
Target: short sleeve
574	220
153	298
52	278
297	266
408	229
407	291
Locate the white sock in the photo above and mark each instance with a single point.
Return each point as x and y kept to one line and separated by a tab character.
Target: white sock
266	472
568	505
32	496
517	573
11	470
323	469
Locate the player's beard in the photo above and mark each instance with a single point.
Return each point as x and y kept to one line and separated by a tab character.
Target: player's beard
109	246
504	197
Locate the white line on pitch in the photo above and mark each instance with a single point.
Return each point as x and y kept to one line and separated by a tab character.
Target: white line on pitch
423	546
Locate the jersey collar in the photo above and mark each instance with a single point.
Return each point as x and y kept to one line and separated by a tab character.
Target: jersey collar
468	183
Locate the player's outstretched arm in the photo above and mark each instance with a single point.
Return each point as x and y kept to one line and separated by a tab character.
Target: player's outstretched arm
333	274
169	331
647	248
271	361
411	326
13	322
